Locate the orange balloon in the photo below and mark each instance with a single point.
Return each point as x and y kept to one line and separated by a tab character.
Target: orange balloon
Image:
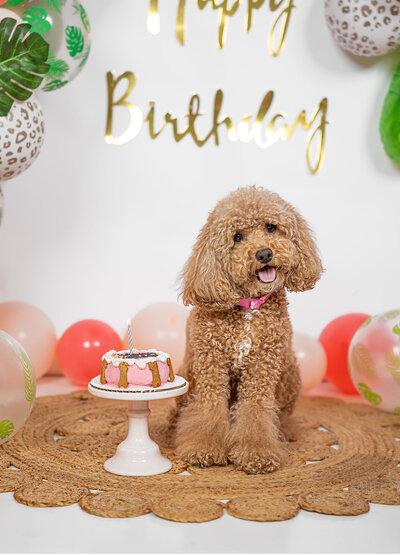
161	326
33	330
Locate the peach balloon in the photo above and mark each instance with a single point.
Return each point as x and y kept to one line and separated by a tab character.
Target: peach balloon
161	326
17	386
33	330
311	358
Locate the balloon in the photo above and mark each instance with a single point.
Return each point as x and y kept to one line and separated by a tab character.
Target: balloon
374	361
33	329
367	28
65	26
8	13
21	137
1	205
336	338
17	386
161	326
81	348
311	358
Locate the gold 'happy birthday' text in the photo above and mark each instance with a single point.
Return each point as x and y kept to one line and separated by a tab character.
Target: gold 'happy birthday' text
263	129
226	9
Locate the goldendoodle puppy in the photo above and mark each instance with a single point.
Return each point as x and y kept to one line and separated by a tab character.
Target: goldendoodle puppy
243	375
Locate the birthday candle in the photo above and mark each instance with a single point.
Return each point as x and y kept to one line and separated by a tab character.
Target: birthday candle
130	336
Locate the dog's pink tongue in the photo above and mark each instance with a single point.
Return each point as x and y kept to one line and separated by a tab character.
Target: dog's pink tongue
267	274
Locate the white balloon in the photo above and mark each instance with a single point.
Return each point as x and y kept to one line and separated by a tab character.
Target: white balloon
367	28
21	137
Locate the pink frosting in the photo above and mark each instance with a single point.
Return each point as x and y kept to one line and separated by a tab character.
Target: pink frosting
136	376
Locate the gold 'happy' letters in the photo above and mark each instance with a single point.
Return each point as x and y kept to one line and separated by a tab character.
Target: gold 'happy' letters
263	132
227	9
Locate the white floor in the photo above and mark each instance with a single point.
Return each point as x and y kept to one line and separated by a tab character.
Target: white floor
70	530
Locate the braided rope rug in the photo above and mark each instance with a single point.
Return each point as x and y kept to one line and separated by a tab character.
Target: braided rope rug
342	456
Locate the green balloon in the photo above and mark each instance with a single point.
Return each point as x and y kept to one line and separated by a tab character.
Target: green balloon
390	119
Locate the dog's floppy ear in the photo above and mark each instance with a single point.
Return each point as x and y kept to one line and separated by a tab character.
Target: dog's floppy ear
308	269
204	279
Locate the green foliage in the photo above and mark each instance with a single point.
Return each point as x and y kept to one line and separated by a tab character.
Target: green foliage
390	119
84	18
14	2
85	56
368	394
396	410
396	329
29	378
53	85
22	63
366	323
56	4
58	68
74	39
6	428
36	17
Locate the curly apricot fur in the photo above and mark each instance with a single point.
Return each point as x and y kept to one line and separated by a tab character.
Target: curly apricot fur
235	405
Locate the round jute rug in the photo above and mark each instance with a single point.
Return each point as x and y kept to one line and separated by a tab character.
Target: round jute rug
342	456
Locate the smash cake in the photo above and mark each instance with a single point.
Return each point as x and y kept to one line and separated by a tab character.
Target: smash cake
126	369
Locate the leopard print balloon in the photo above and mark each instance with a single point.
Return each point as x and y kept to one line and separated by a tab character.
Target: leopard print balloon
21	137
364	27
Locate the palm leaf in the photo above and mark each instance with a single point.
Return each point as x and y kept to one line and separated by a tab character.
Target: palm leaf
29	378
57	69
56	4
74	39
36	17
53	85
6	428
22	63
84	17
361	360
14	2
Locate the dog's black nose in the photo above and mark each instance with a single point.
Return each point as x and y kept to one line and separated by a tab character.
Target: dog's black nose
264	256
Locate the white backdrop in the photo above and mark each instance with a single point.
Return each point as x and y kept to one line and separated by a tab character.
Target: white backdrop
97	231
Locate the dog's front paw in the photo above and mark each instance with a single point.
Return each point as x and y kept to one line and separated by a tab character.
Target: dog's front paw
254	461
202	451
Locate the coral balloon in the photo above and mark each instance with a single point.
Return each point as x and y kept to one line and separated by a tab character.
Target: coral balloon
311	358
336	338
17	386
33	329
161	326
81	348
374	360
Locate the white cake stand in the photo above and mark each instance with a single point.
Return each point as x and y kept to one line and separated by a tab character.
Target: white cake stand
138	455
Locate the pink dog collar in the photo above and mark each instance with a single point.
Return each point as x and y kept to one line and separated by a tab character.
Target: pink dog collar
253	302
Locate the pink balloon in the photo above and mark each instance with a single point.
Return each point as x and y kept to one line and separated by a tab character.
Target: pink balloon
17	386
33	330
311	358
161	326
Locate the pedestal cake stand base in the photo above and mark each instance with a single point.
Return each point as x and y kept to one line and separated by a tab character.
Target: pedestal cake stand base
138	455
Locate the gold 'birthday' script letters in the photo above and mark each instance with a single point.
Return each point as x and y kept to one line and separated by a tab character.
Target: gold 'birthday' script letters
263	130
226	9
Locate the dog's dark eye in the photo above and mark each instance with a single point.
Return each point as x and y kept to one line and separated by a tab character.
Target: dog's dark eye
270	228
238	237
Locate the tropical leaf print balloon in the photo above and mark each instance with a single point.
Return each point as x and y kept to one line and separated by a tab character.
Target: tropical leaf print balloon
6	428
374	360
65	25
